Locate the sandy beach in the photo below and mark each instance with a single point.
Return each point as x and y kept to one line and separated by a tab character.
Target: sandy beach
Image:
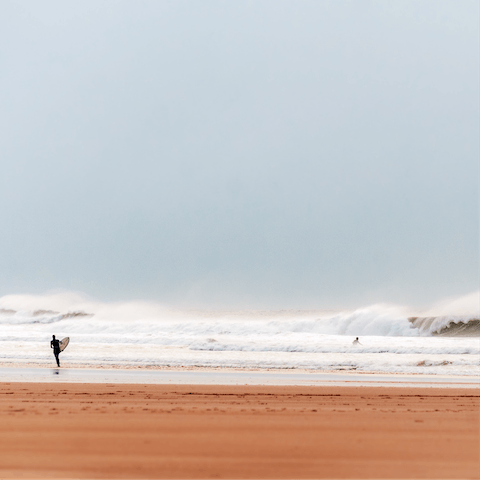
80	430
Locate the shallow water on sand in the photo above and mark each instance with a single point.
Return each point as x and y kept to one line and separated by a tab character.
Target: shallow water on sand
225	377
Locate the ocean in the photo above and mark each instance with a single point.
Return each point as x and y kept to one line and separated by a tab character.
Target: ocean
143	335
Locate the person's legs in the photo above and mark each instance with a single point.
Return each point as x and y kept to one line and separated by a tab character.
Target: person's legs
56	357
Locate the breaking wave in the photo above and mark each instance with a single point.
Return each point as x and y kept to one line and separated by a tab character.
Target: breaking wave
375	320
12	317
448	326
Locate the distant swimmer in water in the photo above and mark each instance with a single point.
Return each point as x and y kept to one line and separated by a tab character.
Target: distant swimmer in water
55	344
356	342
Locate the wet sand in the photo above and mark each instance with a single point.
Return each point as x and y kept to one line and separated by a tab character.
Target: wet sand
212	431
223	376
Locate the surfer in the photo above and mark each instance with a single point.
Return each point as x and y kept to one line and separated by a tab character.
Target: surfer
356	342
55	344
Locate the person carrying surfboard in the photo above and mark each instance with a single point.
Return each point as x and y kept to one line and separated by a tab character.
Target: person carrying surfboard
55	344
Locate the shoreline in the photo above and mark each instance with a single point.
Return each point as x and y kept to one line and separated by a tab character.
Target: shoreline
211	368
230	376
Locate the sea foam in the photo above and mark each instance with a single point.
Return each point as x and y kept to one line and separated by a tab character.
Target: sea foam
392	339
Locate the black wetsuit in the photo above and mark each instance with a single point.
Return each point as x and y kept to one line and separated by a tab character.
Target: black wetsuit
55	344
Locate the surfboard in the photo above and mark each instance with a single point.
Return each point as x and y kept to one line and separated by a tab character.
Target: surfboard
64	343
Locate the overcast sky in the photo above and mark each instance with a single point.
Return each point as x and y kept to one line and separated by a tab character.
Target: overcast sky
277	154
